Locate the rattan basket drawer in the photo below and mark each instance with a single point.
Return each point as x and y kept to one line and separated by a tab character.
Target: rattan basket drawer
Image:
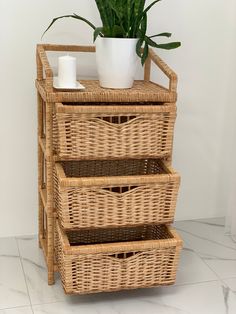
115	131
115	193
148	257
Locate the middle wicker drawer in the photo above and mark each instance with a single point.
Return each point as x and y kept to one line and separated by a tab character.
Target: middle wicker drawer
100	194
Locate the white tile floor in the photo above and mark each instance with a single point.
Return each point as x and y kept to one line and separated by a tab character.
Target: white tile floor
206	280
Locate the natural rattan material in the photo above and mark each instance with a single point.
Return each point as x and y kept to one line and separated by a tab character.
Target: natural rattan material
142	90
99	194
148	258
82	132
144	95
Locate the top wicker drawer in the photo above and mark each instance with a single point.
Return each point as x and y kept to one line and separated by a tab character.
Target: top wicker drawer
113	131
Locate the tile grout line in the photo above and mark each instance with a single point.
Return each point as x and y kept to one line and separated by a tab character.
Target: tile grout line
193	283
175	285
203	238
203	260
215	242
22	266
207	223
15	307
219	278
225	286
226	278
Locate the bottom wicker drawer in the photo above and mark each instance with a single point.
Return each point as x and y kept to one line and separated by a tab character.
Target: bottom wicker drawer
148	257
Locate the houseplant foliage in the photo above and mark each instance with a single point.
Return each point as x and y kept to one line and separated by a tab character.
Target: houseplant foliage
125	19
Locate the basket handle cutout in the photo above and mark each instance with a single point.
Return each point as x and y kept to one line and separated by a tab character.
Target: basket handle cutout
125	256
117	119
121	189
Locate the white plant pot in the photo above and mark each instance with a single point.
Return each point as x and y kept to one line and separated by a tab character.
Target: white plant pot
116	62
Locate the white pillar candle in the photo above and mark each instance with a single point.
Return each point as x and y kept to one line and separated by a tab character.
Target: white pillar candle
67	71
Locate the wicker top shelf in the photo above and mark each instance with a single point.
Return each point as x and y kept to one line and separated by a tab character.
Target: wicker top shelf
142	91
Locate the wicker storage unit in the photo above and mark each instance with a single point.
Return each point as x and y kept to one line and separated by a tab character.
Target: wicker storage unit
107	192
115	193
106	132
149	257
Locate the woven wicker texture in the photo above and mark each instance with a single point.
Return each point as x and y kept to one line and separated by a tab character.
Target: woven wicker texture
111	235
150	260
98	201
87	135
141	91
93	197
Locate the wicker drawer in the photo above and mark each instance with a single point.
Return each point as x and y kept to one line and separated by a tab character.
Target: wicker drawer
116	193
148	257
113	132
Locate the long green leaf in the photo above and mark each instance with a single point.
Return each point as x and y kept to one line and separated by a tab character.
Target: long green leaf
143	25
145	53
138	6
128	9
118	9
107	32
75	16
139	47
117	31
98	31
150	5
103	9
161	34
78	17
138	14
167	46
141	14
130	18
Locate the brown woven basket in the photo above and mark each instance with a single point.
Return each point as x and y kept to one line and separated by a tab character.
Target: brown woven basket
115	131
149	257
115	193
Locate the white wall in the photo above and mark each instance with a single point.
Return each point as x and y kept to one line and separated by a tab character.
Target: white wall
206	29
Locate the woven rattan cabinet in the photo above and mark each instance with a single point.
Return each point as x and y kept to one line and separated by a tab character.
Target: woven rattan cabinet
107	191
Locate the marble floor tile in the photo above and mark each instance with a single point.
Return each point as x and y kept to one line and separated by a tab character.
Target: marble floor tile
36	273
210	229
224	269
17	310
231	283
8	246
220	258
204	298
197	272
13	290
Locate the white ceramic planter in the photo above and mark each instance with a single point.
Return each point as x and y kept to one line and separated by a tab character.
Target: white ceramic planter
116	62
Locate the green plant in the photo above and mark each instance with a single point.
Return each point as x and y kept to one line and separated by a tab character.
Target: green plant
124	19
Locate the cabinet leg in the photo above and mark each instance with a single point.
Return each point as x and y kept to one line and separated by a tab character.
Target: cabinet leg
39	243
40	221
51	277
50	249
40	169
50	192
